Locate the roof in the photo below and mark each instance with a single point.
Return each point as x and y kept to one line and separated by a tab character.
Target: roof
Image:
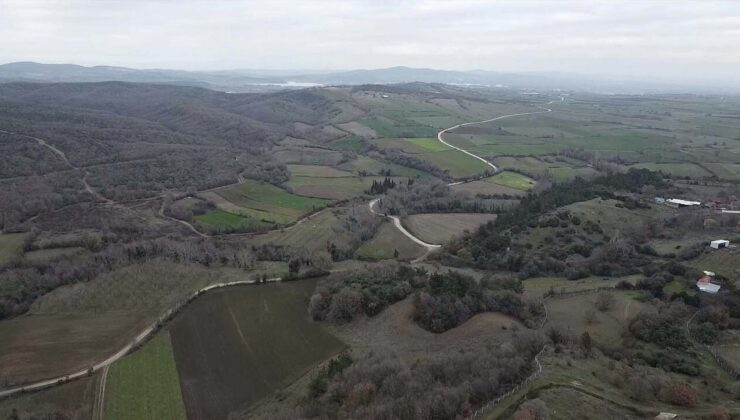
684	202
704	279
708	287
720	241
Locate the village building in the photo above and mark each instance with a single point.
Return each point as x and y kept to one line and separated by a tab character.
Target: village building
719	243
705	283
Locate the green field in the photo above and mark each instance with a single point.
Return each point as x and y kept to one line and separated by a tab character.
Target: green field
398	127
512	180
352	143
220	220
432	144
539	286
386	241
145	385
269	203
10	245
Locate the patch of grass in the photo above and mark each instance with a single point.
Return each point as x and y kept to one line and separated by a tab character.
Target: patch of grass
42	255
384	244
512	180
539	286
145	384
220	220
73	400
431	144
725	262
10	245
677	286
730	171
457	163
269	203
352	143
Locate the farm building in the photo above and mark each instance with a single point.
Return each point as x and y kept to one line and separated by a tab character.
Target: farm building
719	243
678	203
705	283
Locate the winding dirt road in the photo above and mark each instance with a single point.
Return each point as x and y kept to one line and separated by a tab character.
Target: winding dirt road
64	158
139	339
397	221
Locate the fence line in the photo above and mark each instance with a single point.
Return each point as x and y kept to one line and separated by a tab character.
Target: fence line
725	364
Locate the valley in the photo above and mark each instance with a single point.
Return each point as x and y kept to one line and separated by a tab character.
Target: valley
391	244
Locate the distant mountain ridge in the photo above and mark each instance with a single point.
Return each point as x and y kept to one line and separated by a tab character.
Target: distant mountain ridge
269	80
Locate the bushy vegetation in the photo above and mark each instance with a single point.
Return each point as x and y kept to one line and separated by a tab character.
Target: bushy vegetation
366	292
440	387
451	298
581	247
432	197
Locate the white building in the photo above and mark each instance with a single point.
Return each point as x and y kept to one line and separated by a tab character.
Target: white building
677	202
705	283
719	243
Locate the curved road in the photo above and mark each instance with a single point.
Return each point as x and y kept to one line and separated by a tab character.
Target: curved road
397	221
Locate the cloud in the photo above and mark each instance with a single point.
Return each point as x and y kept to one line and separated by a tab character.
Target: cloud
680	40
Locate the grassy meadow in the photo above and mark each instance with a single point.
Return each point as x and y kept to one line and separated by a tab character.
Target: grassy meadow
145	385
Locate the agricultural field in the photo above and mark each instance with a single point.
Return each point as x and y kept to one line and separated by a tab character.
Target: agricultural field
11	245
577	314
385	242
725	262
235	346
73	400
312	233
221	221
268	203
556	168
145	384
353	143
457	163
612	217
333	188
439	228
75	326
485	188
512	180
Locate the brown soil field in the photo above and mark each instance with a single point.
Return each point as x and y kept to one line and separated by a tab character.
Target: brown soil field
74	400
440	228
34	347
235	346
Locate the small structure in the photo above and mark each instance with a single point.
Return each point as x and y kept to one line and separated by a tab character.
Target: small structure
665	416
719	243
705	283
679	203
660	200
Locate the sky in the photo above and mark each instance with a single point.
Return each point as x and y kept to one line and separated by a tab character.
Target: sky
674	41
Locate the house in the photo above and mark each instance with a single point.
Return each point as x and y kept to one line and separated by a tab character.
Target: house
679	203
705	283
666	416
719	243
660	200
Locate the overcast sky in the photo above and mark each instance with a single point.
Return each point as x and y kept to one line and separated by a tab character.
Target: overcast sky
669	40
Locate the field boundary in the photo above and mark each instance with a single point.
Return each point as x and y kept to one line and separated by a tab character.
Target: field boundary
134	344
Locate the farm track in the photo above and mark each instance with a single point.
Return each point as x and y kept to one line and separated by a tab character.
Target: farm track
133	344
